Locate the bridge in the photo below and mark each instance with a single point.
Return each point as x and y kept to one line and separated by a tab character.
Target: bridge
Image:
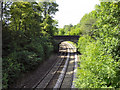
60	38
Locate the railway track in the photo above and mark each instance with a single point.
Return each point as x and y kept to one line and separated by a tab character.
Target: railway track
61	74
66	77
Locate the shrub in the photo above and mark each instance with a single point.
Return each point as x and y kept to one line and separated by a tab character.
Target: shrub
24	59
11	71
97	68
83	42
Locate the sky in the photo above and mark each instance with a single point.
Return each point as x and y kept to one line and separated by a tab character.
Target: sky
71	11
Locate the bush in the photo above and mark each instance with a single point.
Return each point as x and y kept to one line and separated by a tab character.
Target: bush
97	68
47	46
28	60
36	47
25	59
11	71
83	42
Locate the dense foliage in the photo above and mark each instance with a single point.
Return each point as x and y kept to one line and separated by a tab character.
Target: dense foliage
100	59
84	27
99	45
27	40
28	28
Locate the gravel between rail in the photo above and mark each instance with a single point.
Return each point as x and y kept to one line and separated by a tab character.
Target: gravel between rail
48	74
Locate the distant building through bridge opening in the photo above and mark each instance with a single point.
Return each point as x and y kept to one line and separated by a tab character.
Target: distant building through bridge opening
72	38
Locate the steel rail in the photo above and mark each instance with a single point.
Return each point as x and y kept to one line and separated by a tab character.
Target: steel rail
47	78
49	69
62	75
75	69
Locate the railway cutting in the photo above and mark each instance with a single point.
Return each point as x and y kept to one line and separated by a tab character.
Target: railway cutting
60	74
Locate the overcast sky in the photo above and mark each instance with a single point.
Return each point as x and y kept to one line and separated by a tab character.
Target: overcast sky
71	11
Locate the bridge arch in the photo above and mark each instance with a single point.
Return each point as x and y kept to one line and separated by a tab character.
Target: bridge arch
61	38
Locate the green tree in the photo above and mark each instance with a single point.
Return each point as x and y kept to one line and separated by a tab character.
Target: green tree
87	22
26	37
100	59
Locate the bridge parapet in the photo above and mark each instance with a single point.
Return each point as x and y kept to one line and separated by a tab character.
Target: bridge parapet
72	38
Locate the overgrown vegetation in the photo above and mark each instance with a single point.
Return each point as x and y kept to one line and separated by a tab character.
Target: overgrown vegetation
99	46
84	27
27	40
28	28
100	59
